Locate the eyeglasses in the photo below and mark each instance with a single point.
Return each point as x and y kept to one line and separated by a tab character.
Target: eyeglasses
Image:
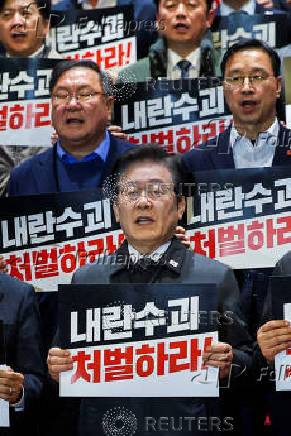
255	80
153	191
81	97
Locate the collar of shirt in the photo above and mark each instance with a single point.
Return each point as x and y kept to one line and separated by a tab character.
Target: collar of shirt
247	155
101	151
155	255
100	4
174	72
33	55
248	7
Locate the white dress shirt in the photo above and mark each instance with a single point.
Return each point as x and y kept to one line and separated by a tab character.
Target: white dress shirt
100	4
261	154
249	7
174	72
155	255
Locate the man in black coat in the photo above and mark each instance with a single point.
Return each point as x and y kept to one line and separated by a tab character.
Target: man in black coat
148	208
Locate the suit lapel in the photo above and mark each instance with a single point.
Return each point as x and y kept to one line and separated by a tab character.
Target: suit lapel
111	158
222	156
44	172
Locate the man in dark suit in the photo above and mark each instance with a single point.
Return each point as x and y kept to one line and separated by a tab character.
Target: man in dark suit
148	208
252	86
85	152
184	48
274	336
21	383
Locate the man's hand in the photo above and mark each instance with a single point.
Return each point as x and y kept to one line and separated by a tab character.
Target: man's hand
219	356
3	265
117	131
181	235
58	360
11	385
274	337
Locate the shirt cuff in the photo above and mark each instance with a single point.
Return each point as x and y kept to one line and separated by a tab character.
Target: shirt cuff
19	406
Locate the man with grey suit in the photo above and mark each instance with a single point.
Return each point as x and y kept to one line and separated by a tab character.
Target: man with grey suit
21	381
148	207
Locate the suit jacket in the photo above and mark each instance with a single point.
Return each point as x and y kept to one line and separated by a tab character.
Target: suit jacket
217	153
181	266
155	64
279	403
38	175
18	310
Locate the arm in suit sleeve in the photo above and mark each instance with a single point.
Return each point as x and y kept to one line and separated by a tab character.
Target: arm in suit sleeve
12	185
233	329
28	358
283	267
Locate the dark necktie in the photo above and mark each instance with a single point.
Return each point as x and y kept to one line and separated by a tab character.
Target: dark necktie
184	67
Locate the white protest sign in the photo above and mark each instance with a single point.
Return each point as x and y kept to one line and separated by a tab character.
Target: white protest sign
283	361
4	409
166	367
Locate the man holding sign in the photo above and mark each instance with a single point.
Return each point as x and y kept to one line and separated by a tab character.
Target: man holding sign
147	205
21	365
274	342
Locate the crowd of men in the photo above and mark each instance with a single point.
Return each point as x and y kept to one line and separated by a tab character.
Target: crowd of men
85	154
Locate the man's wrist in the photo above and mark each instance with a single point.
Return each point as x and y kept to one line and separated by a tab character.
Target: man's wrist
19	402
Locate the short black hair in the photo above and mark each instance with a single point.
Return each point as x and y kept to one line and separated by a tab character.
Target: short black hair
245	44
44	7
208	4
142	153
66	65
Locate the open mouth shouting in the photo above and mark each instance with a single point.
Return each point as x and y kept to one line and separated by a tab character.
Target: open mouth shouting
144	220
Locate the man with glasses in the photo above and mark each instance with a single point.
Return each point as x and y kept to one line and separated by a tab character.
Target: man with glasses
148	204
252	86
85	152
256	139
